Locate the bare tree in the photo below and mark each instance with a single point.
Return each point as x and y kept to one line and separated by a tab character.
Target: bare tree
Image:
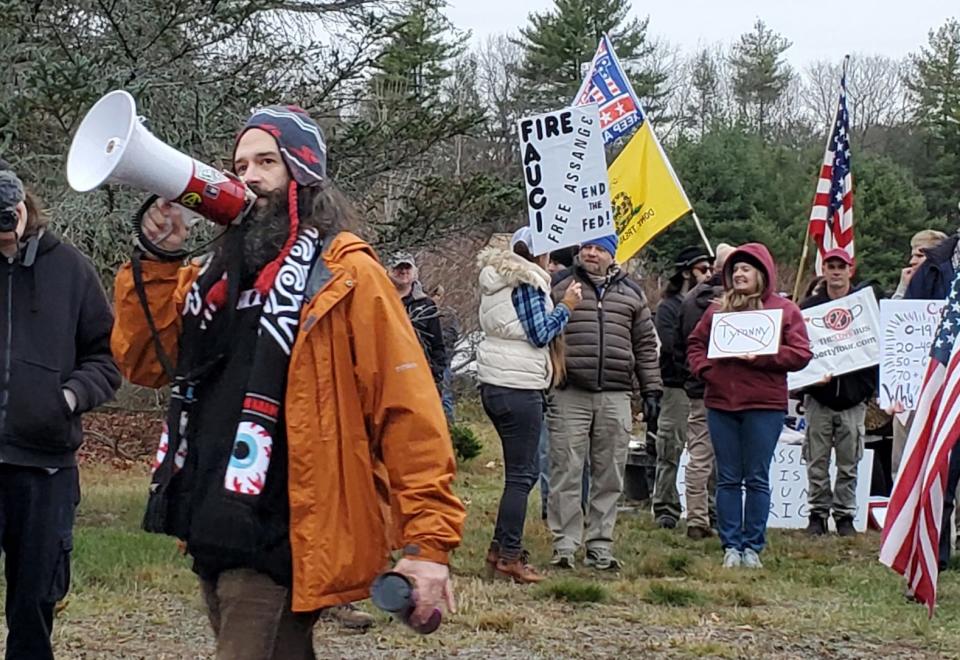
876	95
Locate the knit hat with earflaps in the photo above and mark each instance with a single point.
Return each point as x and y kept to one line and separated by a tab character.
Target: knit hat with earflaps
304	152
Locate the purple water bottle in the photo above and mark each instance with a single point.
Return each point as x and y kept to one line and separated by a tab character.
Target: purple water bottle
394	593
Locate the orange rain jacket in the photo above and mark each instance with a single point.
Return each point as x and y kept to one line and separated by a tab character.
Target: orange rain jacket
370	460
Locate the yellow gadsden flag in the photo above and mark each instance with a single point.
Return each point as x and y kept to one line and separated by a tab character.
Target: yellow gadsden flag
645	193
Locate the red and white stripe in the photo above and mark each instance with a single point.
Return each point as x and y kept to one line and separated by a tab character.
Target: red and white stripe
840	235
911	533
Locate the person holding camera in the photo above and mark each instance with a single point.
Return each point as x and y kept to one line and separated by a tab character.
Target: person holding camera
305	439
55	365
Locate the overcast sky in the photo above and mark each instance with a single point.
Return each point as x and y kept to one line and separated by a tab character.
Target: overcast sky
819	29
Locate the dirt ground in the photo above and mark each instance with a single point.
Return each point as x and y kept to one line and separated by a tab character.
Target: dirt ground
832	602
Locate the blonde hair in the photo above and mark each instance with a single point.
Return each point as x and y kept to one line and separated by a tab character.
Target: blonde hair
927	238
734	301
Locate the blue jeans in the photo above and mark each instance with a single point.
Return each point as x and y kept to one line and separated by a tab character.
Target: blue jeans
545	474
743	443
517	415
447	396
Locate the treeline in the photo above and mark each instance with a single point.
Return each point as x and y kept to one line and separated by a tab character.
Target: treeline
421	124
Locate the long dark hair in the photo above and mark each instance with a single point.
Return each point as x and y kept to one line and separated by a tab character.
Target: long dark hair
328	209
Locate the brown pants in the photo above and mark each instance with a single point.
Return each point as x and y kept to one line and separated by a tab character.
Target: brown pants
701	478
251	618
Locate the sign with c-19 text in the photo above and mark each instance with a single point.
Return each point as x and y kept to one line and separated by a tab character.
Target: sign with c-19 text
565	173
909	327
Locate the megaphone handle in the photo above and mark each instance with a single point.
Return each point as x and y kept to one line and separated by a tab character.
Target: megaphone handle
151	246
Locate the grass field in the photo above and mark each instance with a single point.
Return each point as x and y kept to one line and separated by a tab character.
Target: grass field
133	596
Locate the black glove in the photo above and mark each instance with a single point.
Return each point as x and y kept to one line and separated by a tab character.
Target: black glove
651	407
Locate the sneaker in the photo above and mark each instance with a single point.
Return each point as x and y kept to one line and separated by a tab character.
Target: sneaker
562	559
751	559
817	526
348	616
666	522
517	571
699	533
845	526
732	558
602	560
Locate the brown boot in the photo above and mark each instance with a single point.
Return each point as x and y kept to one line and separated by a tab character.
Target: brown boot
492	556
518	571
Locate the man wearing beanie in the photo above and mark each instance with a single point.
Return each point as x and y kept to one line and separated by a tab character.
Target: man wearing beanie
611	347
691	267
304	439
56	348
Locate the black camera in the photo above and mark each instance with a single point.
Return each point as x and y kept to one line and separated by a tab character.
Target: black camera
8	219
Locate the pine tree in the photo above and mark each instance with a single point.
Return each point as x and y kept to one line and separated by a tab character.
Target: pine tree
760	76
934	83
705	80
558	41
422	47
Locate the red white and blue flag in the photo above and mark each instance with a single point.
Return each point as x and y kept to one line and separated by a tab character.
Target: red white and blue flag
606	84
911	531
831	220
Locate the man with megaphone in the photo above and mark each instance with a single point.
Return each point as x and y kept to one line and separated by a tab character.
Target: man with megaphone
305	438
55	365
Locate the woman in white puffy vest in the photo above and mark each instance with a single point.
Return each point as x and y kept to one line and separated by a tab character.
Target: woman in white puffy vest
518	360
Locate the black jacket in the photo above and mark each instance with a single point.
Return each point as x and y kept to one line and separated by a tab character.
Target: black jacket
425	317
692	309
848	390
934	277
672	355
55	325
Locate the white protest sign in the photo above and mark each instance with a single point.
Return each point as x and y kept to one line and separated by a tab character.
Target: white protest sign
909	327
745	333
844	337
565	172
789	508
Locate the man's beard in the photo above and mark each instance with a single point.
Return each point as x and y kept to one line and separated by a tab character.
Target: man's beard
263	232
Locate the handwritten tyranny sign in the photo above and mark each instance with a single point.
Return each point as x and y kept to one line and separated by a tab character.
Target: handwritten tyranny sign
789	506
909	327
844	337
565	171
745	333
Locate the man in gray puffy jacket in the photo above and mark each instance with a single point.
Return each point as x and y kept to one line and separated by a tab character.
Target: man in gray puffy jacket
611	344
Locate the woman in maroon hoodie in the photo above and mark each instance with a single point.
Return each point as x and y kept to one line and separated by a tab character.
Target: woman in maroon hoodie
746	400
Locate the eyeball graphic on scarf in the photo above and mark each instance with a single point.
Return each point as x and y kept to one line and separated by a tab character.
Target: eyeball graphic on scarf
249	460
164	447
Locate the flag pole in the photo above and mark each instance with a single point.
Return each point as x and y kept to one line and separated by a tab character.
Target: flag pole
802	267
703	234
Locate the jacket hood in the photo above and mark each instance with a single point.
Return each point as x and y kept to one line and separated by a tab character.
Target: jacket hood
758	255
36	244
942	252
344	243
500	269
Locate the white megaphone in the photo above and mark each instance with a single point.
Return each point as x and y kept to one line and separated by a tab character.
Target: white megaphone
113	146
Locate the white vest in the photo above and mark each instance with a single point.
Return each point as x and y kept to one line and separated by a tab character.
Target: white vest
506	357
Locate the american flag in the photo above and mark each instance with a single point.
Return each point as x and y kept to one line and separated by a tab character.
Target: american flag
831	220
911	532
606	84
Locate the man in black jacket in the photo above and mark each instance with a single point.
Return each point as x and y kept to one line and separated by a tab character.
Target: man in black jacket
55	337
835	419
701	469
692	266
423	312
